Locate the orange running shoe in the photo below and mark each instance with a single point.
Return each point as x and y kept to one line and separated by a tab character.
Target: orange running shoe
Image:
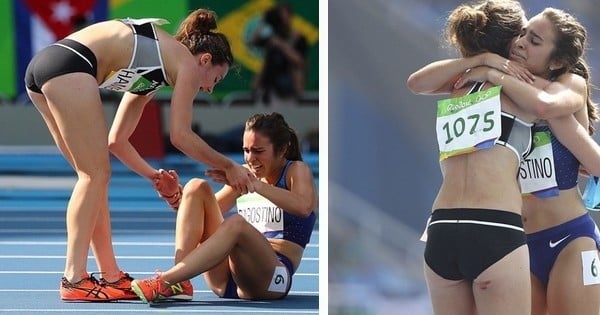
123	285
155	289
182	291
87	289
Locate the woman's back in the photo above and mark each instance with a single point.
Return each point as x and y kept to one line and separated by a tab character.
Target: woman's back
112	42
477	179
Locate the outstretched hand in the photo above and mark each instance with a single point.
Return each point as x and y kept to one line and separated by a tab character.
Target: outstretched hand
238	177
166	183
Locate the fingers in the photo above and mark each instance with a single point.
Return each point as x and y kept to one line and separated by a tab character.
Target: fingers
250	187
459	83
243	189
519	71
174	175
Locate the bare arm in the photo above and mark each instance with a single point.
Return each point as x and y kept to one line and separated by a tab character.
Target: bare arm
301	197
564	96
576	138
126	119
557	102
185	139
439	77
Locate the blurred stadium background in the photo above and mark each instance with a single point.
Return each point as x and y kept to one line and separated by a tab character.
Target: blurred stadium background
383	168
29	25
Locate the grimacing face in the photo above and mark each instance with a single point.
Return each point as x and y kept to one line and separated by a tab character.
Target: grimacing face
535	45
259	154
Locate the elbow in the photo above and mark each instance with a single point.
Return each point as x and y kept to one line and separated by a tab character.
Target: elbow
305	210
114	145
540	111
178	140
413	83
416	84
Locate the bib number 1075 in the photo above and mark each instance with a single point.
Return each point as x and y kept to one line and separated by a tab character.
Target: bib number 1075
457	128
468	123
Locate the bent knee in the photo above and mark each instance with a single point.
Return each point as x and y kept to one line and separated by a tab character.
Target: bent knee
198	186
235	224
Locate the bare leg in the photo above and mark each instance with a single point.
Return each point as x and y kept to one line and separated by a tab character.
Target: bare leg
83	133
104	253
505	287
566	292
197	218
449	297
102	244
251	256
538	297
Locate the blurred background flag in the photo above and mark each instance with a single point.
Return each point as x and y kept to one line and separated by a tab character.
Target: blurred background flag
41	22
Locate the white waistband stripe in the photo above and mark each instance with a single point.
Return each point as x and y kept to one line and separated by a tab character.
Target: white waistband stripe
508	226
78	53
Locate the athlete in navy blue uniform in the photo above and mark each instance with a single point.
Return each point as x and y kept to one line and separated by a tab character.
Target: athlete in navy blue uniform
253	253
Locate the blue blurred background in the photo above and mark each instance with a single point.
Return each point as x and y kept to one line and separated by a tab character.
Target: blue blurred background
383	168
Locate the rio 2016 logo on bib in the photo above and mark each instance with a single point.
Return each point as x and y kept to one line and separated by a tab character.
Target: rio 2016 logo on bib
468	123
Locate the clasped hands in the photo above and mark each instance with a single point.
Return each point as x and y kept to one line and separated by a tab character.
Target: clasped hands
167	185
238	177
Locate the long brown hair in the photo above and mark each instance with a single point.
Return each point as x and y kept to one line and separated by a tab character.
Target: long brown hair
485	26
569	49
195	32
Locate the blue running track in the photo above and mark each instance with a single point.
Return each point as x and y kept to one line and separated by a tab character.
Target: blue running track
34	190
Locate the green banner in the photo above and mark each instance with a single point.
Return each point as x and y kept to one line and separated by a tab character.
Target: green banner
174	11
8	88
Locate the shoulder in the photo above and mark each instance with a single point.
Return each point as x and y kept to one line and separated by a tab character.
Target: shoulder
572	80
179	62
299	169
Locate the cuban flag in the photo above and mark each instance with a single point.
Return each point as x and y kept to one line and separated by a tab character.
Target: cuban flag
40	23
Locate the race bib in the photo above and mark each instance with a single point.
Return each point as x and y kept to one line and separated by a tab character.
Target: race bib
133	80
536	173
261	213
468	123
589	265
591	194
